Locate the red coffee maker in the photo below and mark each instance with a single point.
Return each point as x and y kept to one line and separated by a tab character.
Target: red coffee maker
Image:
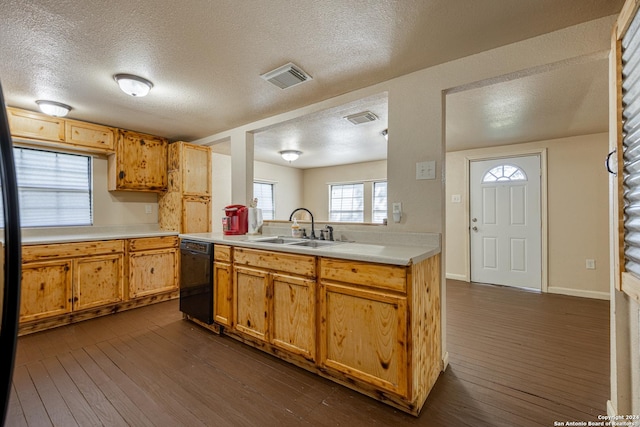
235	219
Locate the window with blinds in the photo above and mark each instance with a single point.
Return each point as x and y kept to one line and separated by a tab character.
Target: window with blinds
379	202
631	146
263	191
347	203
54	189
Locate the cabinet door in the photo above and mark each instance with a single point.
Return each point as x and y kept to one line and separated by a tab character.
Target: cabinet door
196	170
89	135
28	124
152	272
294	315
97	281
251	296
141	162
222	293
196	215
46	289
364	336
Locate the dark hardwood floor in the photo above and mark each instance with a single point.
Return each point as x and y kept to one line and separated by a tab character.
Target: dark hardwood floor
516	358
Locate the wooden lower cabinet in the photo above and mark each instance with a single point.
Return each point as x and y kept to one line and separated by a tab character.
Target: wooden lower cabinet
98	281
153	266
274	299
293	315
364	335
68	282
251	291
45	289
222	286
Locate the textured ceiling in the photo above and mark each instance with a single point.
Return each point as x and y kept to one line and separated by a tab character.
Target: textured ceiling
205	56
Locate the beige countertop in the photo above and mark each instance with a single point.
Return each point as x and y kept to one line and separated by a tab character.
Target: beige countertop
387	253
85	234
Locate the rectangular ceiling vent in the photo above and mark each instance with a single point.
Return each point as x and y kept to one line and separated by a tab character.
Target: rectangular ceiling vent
360	118
286	76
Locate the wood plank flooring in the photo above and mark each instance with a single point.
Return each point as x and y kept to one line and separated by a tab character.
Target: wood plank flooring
516	358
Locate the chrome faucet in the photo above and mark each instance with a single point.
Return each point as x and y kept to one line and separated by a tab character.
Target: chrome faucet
313	231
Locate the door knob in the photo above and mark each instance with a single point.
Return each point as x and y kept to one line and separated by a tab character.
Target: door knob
474	219
474	228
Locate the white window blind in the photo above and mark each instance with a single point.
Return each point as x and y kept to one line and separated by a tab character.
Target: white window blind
347	203
264	192
379	202
54	188
631	146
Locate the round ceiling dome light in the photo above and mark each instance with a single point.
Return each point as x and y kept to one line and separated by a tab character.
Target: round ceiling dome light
133	85
52	108
290	155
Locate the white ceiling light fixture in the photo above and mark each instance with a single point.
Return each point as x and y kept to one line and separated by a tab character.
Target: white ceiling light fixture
286	76
133	85
52	108
290	155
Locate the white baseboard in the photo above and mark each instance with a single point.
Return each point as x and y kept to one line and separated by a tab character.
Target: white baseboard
445	361
611	411
453	276
578	293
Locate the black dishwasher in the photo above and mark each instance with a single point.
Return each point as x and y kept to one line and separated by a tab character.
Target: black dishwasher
196	280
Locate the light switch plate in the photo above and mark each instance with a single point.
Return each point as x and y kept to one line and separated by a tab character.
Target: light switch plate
426	170
148	209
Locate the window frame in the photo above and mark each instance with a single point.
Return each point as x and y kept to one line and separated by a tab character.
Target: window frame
373	201
330	188
90	189
273	196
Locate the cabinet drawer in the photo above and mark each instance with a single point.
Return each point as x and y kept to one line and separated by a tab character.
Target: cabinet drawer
89	135
148	243
281	262
222	253
28	124
389	277
68	250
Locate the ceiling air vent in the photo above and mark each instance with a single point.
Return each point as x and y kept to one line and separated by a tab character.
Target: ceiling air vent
286	76
360	118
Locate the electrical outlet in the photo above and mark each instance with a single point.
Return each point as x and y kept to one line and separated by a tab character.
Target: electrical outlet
455	198
148	209
591	264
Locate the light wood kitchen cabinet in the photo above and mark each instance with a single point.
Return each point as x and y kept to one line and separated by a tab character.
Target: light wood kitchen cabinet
59	132
139	163
222	285
61	278
274	295
186	205
98	138
32	125
153	265
45	289
98	280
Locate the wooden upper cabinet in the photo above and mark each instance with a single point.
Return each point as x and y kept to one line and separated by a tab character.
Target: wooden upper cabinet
89	135
196	175
31	125
139	163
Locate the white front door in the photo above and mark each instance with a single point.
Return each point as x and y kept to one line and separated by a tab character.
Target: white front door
505	221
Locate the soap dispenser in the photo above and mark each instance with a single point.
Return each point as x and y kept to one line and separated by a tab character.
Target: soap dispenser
295	229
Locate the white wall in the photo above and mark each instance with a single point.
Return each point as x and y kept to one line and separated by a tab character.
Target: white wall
316	180
577	212
119	207
287	192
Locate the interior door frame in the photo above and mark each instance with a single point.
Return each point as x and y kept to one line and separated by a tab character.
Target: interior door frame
507	153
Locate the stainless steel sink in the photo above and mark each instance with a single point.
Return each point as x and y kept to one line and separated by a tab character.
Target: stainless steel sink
278	240
315	243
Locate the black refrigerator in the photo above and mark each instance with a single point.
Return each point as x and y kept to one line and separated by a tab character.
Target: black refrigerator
11	258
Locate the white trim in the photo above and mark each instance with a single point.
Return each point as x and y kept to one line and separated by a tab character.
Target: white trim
578	293
544	211
454	276
611	410
445	361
